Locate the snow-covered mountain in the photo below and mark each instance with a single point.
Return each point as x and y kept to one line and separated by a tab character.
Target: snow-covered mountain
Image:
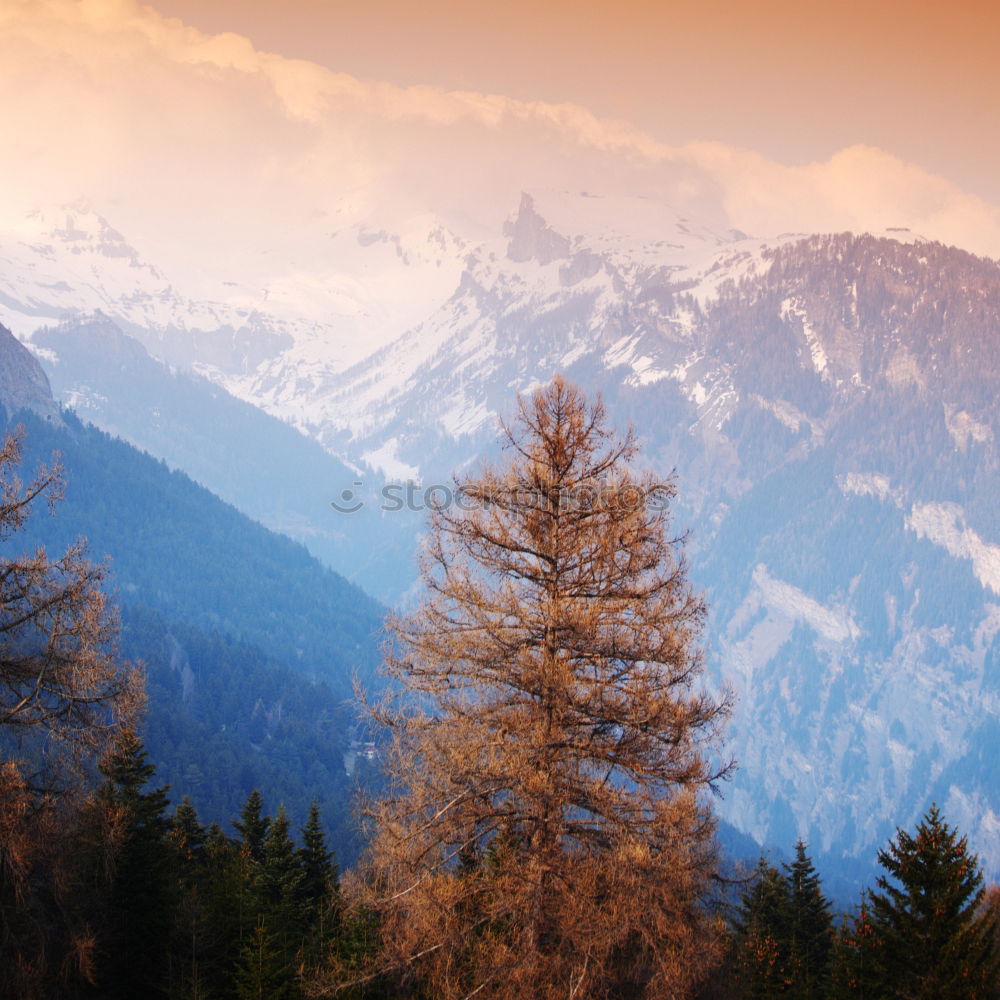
829	404
329	297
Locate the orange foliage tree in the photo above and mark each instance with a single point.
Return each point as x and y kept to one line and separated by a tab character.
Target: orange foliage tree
547	832
64	699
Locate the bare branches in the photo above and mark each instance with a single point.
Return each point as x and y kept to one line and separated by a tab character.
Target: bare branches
547	836
63	693
63	699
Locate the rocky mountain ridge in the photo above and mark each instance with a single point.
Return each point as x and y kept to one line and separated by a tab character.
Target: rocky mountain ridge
829	405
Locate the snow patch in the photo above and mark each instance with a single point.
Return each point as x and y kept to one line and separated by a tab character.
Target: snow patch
43	353
386	460
867	484
962	427
791	416
465	417
834	624
944	524
791	309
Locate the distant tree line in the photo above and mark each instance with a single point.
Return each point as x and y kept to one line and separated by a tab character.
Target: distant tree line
929	929
145	902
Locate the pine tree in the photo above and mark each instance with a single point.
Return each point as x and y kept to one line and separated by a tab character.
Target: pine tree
279	883
263	971
855	961
190	952
252	826
320	888
763	958
230	914
279	893
935	941
140	905
186	834
320	876
810	927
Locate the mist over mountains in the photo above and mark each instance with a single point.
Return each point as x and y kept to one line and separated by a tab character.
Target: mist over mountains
828	404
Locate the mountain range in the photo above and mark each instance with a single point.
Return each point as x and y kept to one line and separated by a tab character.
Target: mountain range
828	404
250	645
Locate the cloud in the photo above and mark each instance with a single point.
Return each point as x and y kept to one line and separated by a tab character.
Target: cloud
203	144
859	188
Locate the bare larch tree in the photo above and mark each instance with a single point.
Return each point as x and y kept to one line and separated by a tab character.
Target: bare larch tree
64	699
548	833
64	694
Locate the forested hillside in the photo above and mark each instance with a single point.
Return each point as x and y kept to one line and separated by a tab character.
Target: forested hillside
258	463
250	646
175	547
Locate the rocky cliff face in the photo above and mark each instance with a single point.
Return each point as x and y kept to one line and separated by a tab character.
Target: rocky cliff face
23	383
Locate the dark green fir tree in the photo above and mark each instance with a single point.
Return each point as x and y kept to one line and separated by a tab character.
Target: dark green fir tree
936	940
319	890
230	911
187	835
252	826
320	874
190	948
855	960
810	928
762	959
263	971
135	941
279	889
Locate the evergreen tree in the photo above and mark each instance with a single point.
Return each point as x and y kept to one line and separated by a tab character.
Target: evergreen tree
762	955
319	890
279	890
319	871
190	949
252	826
855	958
936	942
263	972
141	897
810	927
281	877
230	913
187	834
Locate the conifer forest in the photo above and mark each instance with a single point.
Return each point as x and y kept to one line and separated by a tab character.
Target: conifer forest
531	805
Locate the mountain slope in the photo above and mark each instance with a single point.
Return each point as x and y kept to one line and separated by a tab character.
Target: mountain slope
250	459
23	385
177	548
250	646
829	403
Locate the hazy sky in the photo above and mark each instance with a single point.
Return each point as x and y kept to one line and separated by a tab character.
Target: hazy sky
213	131
796	80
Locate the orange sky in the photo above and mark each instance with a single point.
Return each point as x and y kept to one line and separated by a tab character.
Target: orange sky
215	145
793	79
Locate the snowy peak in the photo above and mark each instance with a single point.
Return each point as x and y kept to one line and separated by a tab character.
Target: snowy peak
626	231
531	238
81	230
